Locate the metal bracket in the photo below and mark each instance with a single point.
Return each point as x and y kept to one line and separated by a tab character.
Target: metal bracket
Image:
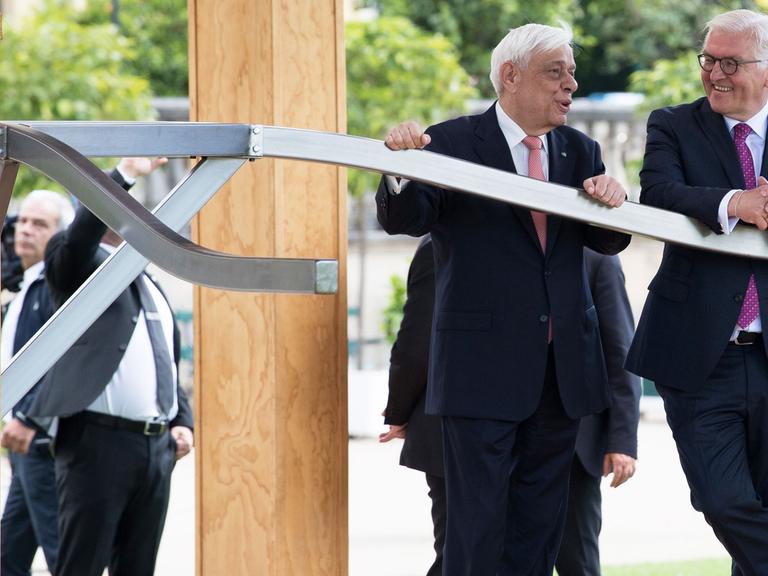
256	141
3	142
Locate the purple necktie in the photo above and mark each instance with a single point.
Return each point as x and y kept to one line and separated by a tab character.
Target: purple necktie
750	309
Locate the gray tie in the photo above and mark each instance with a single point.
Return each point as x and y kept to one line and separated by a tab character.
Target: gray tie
159	347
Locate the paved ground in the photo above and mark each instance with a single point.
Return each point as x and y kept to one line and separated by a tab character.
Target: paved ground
647	520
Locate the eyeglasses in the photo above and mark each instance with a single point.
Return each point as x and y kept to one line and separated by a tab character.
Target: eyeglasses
728	65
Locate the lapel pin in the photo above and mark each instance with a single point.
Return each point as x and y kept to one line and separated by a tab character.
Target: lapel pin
563	154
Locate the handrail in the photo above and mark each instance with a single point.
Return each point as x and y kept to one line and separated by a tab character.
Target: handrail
255	141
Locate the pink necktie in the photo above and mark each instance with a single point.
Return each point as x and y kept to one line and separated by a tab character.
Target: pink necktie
750	309
535	170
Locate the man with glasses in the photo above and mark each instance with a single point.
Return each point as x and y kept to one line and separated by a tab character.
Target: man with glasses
700	334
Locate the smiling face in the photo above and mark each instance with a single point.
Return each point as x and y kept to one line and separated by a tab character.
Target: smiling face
538	97
741	95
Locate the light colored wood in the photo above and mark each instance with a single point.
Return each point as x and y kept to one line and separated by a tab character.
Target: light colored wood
270	389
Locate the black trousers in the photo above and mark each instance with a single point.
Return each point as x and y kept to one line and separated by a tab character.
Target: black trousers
113	488
30	513
721	432
437	495
579	553
507	489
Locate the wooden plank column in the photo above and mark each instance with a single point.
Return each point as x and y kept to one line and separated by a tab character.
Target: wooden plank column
270	387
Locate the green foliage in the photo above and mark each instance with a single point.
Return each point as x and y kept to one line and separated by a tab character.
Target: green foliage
396	72
669	82
616	37
393	313
476	27
158	31
56	69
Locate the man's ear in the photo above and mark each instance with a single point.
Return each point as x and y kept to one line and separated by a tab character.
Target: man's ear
510	76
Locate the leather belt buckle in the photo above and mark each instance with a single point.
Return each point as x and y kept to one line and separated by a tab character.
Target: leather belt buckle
154	428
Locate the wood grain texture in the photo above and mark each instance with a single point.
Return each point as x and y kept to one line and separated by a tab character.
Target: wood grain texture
271	406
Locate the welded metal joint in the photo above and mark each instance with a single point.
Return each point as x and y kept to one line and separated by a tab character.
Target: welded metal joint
255	144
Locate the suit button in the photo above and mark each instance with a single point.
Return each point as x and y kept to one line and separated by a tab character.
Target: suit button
122	347
547	272
543	318
134	319
738	298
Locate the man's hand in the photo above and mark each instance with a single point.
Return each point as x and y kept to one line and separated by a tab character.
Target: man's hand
622	466
135	167
751	205
407	135
17	436
605	189
395	431
184	440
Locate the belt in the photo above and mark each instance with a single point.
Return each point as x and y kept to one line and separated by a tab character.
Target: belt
146	427
747	338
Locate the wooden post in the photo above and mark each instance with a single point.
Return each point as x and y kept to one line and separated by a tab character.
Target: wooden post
270	370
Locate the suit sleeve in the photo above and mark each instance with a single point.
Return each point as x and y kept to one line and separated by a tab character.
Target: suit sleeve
663	178
418	206
616	331
602	240
409	360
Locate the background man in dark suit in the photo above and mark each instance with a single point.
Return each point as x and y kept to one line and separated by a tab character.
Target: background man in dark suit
512	310
606	442
29	517
123	419
700	334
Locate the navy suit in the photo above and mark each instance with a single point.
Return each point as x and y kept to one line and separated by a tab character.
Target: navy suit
508	422
30	516
613	430
715	393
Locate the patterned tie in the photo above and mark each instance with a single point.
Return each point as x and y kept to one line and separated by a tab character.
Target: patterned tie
535	170
162	355
750	309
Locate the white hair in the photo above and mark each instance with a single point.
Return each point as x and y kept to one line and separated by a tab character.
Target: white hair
62	204
522	42
743	22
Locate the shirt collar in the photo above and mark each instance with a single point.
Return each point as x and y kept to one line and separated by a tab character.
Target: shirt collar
512	131
33	273
757	122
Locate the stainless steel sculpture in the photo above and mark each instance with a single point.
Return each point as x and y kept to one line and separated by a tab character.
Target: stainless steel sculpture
60	150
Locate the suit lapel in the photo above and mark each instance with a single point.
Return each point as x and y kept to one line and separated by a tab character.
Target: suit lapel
561	166
493	150
716	132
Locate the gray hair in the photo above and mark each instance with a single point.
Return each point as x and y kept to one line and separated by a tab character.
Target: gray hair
520	43
744	22
59	201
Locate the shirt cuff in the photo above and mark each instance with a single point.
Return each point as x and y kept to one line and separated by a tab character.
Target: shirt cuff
727	224
394	184
128	181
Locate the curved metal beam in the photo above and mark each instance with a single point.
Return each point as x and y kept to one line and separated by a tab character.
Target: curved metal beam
148	235
454	174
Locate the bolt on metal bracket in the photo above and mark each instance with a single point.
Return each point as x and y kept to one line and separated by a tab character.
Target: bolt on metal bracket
255	143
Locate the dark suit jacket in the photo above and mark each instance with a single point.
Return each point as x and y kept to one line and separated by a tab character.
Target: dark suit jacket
695	298
495	291
613	430
79	376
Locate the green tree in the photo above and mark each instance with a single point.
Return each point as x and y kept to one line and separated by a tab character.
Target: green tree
56	69
395	72
476	27
158	31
